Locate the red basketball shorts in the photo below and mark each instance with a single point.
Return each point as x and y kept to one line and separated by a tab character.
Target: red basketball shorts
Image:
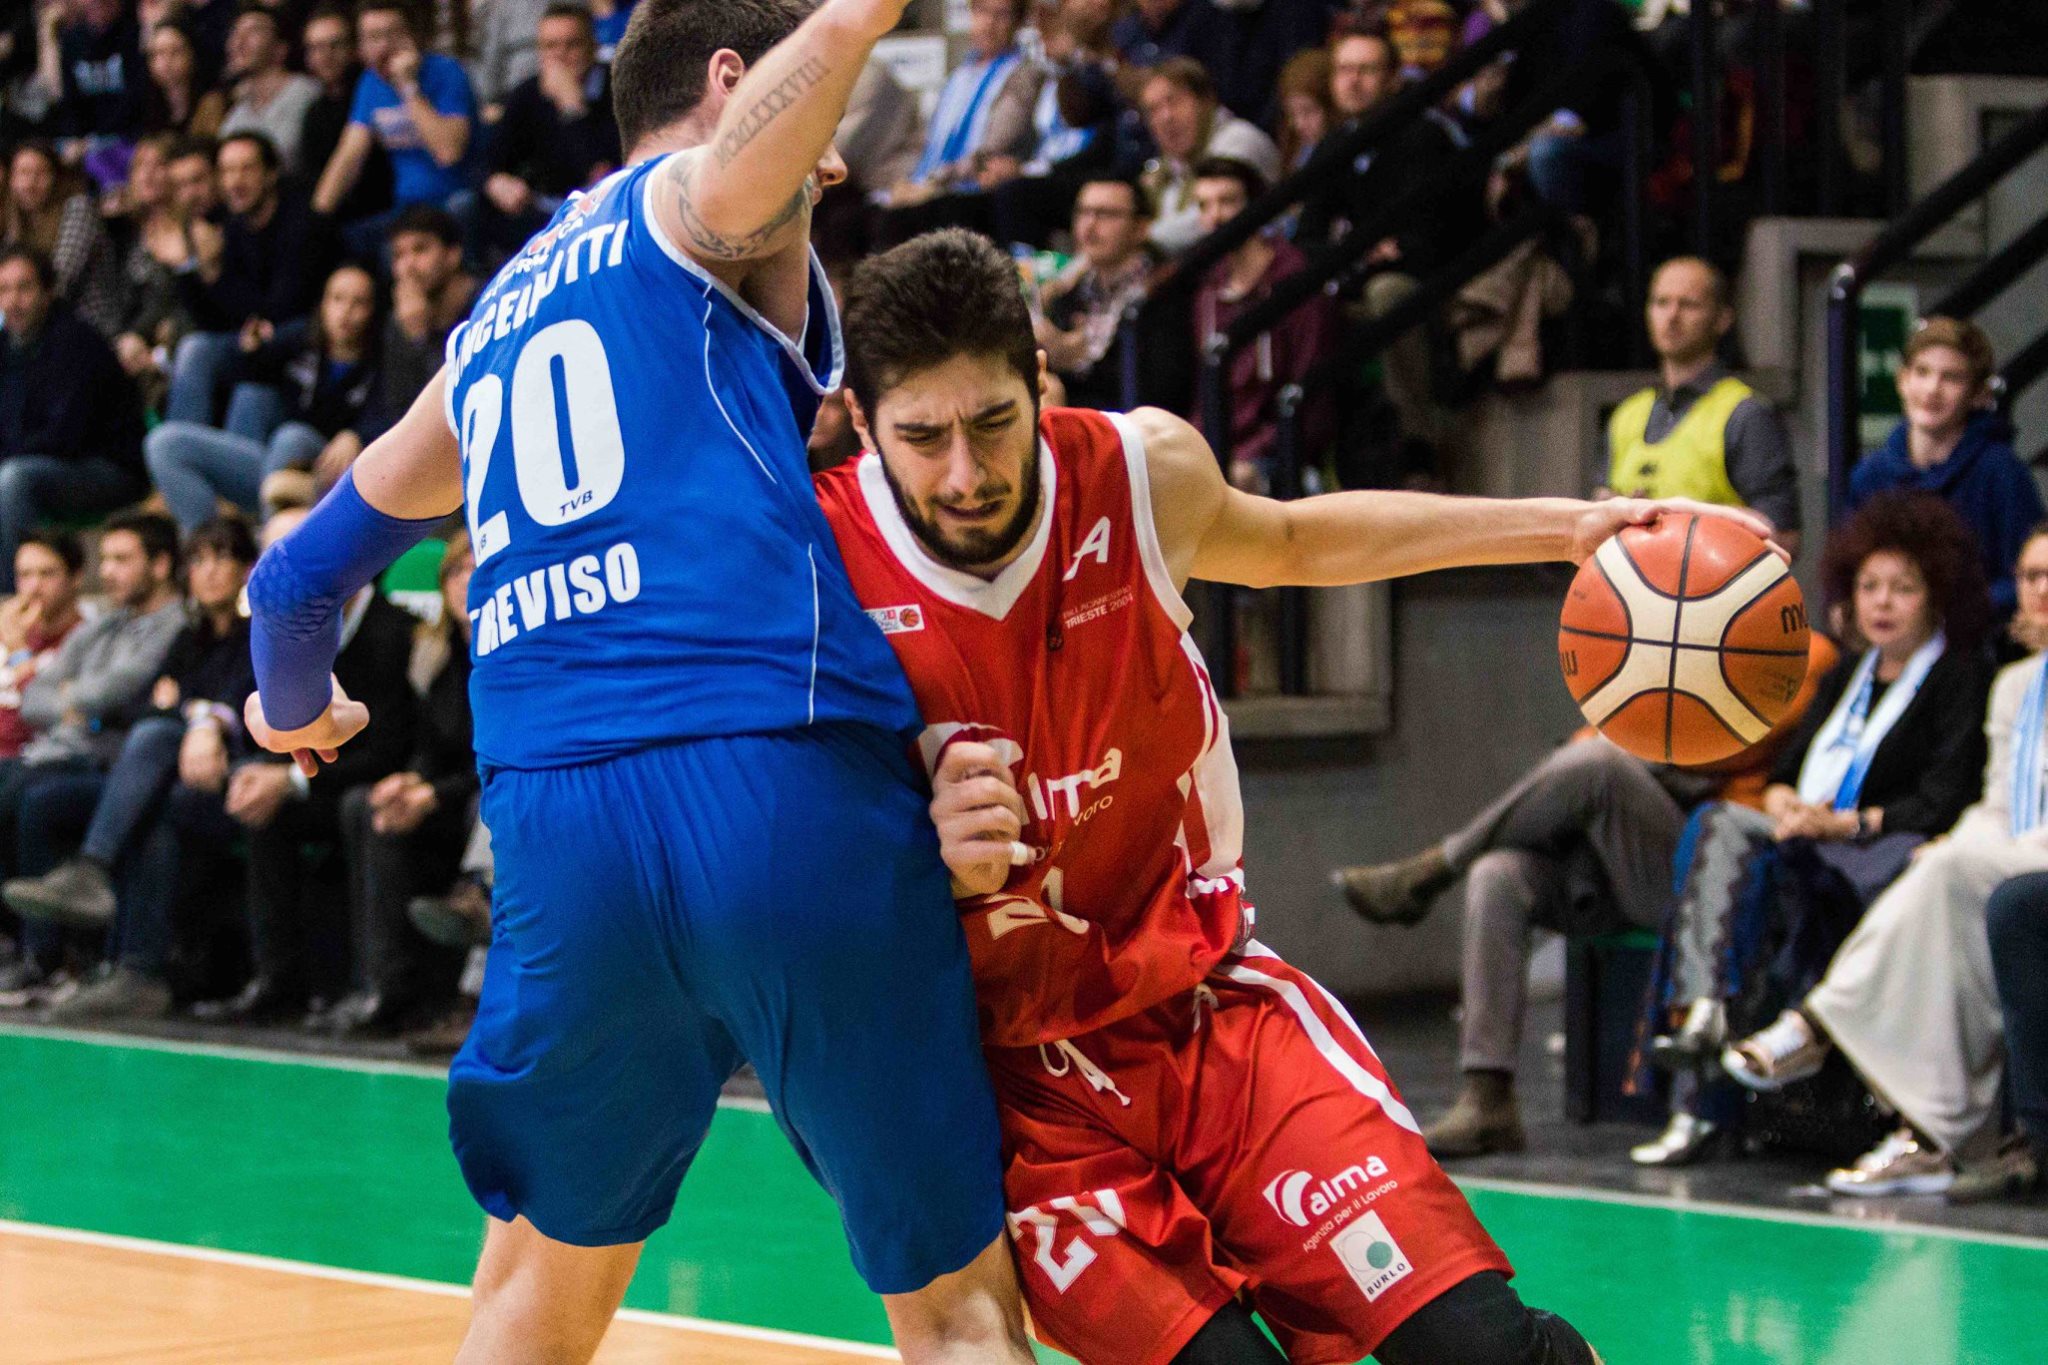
1240	1138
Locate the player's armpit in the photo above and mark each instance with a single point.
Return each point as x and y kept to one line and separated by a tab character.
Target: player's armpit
715	242
414	470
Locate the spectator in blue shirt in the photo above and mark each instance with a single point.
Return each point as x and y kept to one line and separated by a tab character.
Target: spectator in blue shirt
417	106
1952	444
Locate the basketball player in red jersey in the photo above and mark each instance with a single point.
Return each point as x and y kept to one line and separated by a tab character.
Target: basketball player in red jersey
1193	1129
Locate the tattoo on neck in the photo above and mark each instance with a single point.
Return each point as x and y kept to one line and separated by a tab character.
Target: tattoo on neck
784	93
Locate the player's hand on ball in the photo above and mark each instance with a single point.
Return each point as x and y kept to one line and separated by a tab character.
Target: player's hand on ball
979	816
1607	518
315	743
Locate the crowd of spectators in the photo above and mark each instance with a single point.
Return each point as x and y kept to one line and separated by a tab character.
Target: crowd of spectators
235	235
1832	889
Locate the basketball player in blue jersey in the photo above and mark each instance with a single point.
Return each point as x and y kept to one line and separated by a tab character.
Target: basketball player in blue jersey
711	844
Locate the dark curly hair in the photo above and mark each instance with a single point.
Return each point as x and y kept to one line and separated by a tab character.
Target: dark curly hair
1927	531
945	294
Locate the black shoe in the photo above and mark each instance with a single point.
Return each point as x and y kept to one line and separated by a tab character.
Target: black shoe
262	1001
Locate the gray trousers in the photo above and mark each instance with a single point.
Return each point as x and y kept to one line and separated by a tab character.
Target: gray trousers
1588	807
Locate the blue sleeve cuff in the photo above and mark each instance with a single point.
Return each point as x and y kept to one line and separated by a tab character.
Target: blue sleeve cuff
298	591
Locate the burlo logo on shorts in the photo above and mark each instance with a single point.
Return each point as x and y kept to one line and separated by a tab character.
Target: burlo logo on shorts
1371	1256
1301	1199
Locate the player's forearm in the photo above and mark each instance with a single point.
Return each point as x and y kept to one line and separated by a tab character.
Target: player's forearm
749	184
1363	537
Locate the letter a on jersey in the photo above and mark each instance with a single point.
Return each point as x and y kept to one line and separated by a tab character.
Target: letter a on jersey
1096	544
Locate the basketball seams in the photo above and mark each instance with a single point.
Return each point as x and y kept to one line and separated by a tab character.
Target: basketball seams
1746	650
1628	614
1678	630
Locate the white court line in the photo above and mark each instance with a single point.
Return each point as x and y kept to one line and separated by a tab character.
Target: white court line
277	1057
1715	1208
309	1270
1720	1209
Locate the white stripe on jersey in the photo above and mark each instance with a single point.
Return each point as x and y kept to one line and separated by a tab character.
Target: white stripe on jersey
1363	1081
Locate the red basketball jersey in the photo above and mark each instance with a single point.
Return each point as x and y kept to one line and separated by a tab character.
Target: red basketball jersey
1076	663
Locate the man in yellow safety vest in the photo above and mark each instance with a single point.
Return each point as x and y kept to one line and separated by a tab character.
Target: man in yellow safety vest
1701	432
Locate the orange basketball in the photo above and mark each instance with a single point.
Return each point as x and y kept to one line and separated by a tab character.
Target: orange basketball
1684	641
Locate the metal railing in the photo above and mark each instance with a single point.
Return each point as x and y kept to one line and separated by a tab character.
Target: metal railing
1894	245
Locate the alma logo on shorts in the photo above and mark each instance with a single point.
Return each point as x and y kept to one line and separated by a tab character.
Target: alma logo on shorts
897	620
1301	1199
1372	1256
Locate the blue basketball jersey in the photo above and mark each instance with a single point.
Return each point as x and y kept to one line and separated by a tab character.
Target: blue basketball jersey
652	564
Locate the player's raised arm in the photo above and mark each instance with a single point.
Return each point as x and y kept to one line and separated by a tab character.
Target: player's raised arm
401	488
1212	531
747	192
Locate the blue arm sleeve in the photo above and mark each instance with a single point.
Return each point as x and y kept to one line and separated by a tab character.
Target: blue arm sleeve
299	588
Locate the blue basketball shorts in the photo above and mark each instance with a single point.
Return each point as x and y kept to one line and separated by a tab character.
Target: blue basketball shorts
660	918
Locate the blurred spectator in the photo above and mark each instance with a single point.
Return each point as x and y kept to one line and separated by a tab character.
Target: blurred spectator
430	293
49	212
557	135
1890	753
1424	34
1241	46
1286	354
299	385
417	106
1582	844
70	423
506	51
880	138
330	46
1364	70
1306	111
211	23
178	101
81	704
1179	103
1953	444
1075	124
268	99
405	836
153	314
1573	160
35	622
1081	309
260	263
288	818
195	193
102	80
1701	433
983	119
2017	923
1909	997
610	17
188	728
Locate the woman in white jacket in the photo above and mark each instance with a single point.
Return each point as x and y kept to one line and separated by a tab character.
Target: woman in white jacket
1909	998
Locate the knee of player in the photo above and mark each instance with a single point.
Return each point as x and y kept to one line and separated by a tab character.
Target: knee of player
1482	1321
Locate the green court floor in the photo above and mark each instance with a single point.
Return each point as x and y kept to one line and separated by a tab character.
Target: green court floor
349	1166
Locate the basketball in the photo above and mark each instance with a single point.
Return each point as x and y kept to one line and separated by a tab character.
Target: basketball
1684	641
